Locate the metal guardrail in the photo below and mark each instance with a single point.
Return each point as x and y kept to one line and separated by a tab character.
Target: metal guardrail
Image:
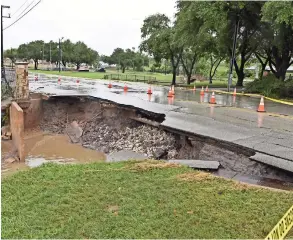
135	78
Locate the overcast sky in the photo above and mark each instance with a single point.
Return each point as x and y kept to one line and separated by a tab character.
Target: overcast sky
102	25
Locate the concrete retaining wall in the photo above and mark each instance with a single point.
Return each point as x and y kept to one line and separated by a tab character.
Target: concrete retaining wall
33	114
17	129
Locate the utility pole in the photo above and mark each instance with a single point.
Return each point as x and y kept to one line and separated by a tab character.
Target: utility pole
60	53
2	57
233	53
43	51
50	58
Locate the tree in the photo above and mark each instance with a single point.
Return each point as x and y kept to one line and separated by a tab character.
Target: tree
82	54
279	16
11	54
67	51
32	50
159	40
217	21
123	58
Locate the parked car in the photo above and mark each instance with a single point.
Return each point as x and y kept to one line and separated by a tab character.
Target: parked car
101	70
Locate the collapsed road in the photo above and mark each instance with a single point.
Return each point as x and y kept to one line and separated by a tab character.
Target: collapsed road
271	145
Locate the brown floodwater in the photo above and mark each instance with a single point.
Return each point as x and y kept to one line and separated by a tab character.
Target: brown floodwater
41	148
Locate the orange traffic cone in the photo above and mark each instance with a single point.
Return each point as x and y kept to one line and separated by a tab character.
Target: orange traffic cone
125	88
207	89
171	100
110	85
261	107
149	90
173	90
234	93
170	93
201	91
213	99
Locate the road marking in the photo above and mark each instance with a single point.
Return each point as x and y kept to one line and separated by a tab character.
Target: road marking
282	227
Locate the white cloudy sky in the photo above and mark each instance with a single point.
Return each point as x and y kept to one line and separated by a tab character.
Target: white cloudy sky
102	25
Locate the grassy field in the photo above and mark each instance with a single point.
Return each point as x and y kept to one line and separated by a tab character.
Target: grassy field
135	200
161	78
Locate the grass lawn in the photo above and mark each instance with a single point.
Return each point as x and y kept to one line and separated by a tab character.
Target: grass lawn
162	78
100	75
135	200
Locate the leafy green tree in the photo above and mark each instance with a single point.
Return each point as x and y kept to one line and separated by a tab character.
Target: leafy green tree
32	50
123	58
279	16
159	40
67	51
81	53
12	54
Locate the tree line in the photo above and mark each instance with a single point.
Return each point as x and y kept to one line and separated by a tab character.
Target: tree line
128	58
206	30
76	53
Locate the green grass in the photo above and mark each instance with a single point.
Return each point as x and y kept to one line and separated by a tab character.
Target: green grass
161	78
123	200
98	75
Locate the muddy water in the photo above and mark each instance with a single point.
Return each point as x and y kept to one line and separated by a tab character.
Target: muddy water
42	148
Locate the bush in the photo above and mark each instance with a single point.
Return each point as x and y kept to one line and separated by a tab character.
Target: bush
270	86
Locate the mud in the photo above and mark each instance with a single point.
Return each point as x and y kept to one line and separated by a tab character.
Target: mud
42	148
108	128
105	128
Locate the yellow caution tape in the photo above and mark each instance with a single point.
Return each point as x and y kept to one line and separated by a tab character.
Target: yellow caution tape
283	226
256	95
279	101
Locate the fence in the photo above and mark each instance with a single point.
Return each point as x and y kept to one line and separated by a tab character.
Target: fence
8	81
135	78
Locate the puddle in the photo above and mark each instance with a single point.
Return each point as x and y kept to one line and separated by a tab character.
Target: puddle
43	148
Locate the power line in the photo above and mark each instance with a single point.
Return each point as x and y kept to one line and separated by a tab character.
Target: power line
22	15
26	8
19	8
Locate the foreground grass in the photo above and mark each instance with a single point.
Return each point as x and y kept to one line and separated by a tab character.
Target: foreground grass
134	200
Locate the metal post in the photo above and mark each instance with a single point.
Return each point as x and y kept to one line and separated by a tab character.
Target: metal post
50	58
2	57
59	54
233	53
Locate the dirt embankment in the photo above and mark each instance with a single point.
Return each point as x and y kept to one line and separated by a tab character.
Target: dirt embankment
108	128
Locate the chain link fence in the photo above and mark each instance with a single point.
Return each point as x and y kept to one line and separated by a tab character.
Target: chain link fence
8	81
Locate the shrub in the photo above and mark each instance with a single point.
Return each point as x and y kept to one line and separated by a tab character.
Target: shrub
270	86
